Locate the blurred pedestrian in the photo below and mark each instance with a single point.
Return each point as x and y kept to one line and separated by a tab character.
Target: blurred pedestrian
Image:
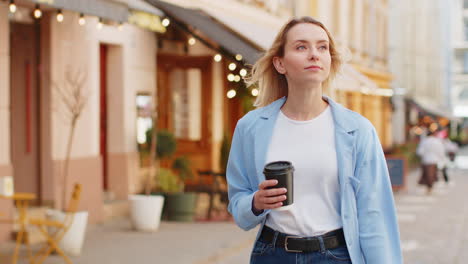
343	208
432	152
450	151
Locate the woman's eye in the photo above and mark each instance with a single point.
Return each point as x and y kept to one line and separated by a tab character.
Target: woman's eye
302	47
323	47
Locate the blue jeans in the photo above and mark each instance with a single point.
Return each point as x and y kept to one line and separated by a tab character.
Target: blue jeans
267	253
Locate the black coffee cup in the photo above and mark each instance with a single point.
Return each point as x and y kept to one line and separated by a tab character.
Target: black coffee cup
283	172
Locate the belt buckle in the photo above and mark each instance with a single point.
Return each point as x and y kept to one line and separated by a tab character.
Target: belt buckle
286	244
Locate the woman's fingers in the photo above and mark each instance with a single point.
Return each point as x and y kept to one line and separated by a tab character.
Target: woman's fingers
267	198
273	199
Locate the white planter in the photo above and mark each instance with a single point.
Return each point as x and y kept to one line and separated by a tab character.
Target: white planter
145	211
72	241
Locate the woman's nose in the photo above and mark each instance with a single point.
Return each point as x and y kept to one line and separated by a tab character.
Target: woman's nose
313	54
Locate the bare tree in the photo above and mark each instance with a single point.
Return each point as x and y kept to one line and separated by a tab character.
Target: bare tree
73	96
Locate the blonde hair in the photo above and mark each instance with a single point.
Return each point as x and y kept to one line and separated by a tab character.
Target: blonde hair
273	85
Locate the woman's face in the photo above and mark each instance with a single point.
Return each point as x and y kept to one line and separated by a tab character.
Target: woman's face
307	56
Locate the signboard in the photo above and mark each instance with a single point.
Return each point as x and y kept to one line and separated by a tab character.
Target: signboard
397	172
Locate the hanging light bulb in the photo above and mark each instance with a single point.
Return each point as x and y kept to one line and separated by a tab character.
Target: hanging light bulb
237	78
238	57
60	16
99	24
231	93
231	77
82	20
165	22
232	66
217	57
255	92
12	6
37	12
192	41
243	72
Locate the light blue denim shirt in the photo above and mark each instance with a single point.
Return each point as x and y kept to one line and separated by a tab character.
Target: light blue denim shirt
367	208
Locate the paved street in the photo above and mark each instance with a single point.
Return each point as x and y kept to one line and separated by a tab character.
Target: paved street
434	230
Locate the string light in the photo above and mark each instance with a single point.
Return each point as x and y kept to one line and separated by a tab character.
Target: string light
60	16
12	6
231	93
238	57
243	72
165	22
231	77
217	57
192	41
99	24
255	92
37	12
232	66
82	20
237	78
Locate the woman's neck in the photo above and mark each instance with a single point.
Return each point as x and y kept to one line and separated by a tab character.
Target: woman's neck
304	103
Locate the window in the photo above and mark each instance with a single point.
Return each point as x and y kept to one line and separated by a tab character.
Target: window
144	121
465	62
186	103
466	28
465	4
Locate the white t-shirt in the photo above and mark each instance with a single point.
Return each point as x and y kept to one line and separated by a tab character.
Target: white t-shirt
310	146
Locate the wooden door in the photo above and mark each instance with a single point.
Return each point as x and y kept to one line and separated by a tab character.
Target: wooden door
185	105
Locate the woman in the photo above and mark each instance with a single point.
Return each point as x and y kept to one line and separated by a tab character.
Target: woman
431	149
343	210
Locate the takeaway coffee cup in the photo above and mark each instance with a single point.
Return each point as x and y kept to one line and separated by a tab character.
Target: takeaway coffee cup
283	172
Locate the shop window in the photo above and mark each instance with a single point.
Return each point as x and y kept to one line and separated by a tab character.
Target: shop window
144	120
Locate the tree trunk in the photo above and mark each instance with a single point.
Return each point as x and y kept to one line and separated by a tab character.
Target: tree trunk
66	163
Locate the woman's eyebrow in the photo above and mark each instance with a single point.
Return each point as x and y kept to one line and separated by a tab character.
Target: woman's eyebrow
306	41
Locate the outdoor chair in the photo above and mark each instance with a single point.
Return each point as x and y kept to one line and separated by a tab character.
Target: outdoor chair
59	229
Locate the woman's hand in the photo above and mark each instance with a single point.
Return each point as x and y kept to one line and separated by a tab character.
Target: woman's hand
268	198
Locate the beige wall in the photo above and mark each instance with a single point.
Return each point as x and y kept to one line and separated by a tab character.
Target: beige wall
131	68
4	86
5	166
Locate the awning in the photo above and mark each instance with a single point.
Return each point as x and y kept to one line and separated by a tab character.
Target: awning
193	20
431	109
106	9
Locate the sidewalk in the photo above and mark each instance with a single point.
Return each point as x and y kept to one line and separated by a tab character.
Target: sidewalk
434	229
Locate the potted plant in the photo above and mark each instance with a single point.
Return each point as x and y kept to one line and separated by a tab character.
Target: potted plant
72	97
146	209
180	205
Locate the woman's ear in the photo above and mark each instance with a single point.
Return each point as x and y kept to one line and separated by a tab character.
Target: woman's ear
278	63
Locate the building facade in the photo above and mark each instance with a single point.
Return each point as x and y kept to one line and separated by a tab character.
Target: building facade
420	62
459	45
43	61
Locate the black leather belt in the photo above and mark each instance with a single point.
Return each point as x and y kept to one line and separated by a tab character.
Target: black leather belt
290	243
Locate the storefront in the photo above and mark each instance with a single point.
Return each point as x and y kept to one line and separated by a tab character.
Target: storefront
60	54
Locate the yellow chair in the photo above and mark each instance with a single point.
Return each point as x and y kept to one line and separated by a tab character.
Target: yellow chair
61	228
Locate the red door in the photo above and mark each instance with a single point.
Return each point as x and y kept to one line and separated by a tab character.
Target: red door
103	113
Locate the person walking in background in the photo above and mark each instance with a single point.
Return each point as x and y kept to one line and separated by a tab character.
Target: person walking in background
432	152
450	151
343	210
